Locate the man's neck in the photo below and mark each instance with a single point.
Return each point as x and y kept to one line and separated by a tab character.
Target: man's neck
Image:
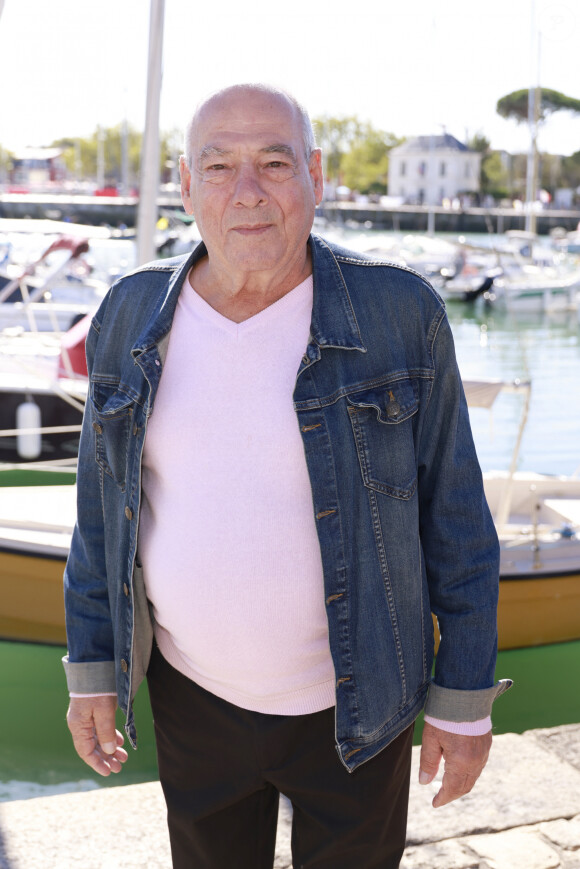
240	297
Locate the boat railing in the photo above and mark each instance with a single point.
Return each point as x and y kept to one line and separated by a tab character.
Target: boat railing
33	430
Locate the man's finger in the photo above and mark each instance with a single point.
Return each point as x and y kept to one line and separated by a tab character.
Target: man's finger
104	722
431	753
91	721
453	786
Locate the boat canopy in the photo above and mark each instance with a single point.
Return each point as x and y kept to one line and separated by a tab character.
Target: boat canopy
483	393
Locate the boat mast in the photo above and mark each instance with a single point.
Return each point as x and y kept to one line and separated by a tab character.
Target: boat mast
534	96
149	175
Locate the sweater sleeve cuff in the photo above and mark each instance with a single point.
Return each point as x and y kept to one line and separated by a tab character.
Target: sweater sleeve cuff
450	704
462	728
90	677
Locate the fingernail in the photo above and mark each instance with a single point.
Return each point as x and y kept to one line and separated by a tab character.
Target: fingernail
424	777
109	747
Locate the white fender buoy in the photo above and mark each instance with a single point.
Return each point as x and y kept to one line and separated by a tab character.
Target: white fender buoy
28	444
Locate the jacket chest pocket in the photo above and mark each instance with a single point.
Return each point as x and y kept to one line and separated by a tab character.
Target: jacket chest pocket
112	416
382	425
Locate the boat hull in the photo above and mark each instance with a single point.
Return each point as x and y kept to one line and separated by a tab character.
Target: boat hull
532	611
539	597
31	595
538	610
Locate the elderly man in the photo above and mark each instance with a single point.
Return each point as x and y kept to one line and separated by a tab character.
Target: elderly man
277	485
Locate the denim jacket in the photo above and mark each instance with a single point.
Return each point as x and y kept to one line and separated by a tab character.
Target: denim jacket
403	525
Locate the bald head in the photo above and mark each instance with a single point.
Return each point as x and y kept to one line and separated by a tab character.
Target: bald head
239	91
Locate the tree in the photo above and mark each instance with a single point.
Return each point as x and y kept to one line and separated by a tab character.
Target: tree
336	136
571	171
365	166
494	176
479	142
80	155
354	152
515	105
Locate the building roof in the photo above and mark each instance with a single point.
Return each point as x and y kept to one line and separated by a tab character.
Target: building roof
445	142
38	154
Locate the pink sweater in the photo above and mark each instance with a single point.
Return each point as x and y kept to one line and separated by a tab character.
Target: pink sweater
227	536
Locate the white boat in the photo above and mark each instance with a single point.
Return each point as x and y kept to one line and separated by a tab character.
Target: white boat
429	255
52	291
519	275
566	242
43	387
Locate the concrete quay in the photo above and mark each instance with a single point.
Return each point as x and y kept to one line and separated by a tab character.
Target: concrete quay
523	814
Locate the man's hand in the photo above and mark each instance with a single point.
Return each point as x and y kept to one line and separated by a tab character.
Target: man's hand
464	758
91	721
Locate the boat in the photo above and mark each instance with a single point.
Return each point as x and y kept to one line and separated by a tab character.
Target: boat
537	518
43	388
540	557
43	376
431	256
567	242
52	291
36	525
518	275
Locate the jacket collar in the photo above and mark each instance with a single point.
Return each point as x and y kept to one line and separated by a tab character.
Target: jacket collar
333	323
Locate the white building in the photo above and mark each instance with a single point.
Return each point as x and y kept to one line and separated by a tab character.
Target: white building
429	169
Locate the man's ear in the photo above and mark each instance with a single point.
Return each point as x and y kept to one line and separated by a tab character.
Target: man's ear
315	169
185	176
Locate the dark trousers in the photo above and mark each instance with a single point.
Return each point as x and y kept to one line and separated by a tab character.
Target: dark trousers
222	769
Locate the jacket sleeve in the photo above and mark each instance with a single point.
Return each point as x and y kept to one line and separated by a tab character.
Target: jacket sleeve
89	664
460	548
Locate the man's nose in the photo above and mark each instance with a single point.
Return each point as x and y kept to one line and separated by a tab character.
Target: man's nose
249	191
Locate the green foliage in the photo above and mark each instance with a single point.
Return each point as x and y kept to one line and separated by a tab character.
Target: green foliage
479	142
365	167
354	152
5	161
515	105
570	169
494	174
81	155
335	136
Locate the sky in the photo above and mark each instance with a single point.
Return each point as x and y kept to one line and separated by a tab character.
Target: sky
410	67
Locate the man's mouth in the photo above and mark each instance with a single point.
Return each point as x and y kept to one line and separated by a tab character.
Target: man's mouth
251	228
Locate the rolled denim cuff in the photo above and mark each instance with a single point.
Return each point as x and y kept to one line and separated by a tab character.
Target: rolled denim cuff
90	677
451	704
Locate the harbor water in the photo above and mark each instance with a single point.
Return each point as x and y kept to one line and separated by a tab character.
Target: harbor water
36	753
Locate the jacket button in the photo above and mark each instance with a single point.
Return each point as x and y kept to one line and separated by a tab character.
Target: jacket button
125	589
128	513
98	427
124	665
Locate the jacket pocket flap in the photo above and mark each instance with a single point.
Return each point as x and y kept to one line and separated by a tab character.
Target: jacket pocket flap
393	402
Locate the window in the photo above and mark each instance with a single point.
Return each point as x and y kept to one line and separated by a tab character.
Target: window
403	169
442	169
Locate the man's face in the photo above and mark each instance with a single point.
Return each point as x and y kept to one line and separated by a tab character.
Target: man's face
250	186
